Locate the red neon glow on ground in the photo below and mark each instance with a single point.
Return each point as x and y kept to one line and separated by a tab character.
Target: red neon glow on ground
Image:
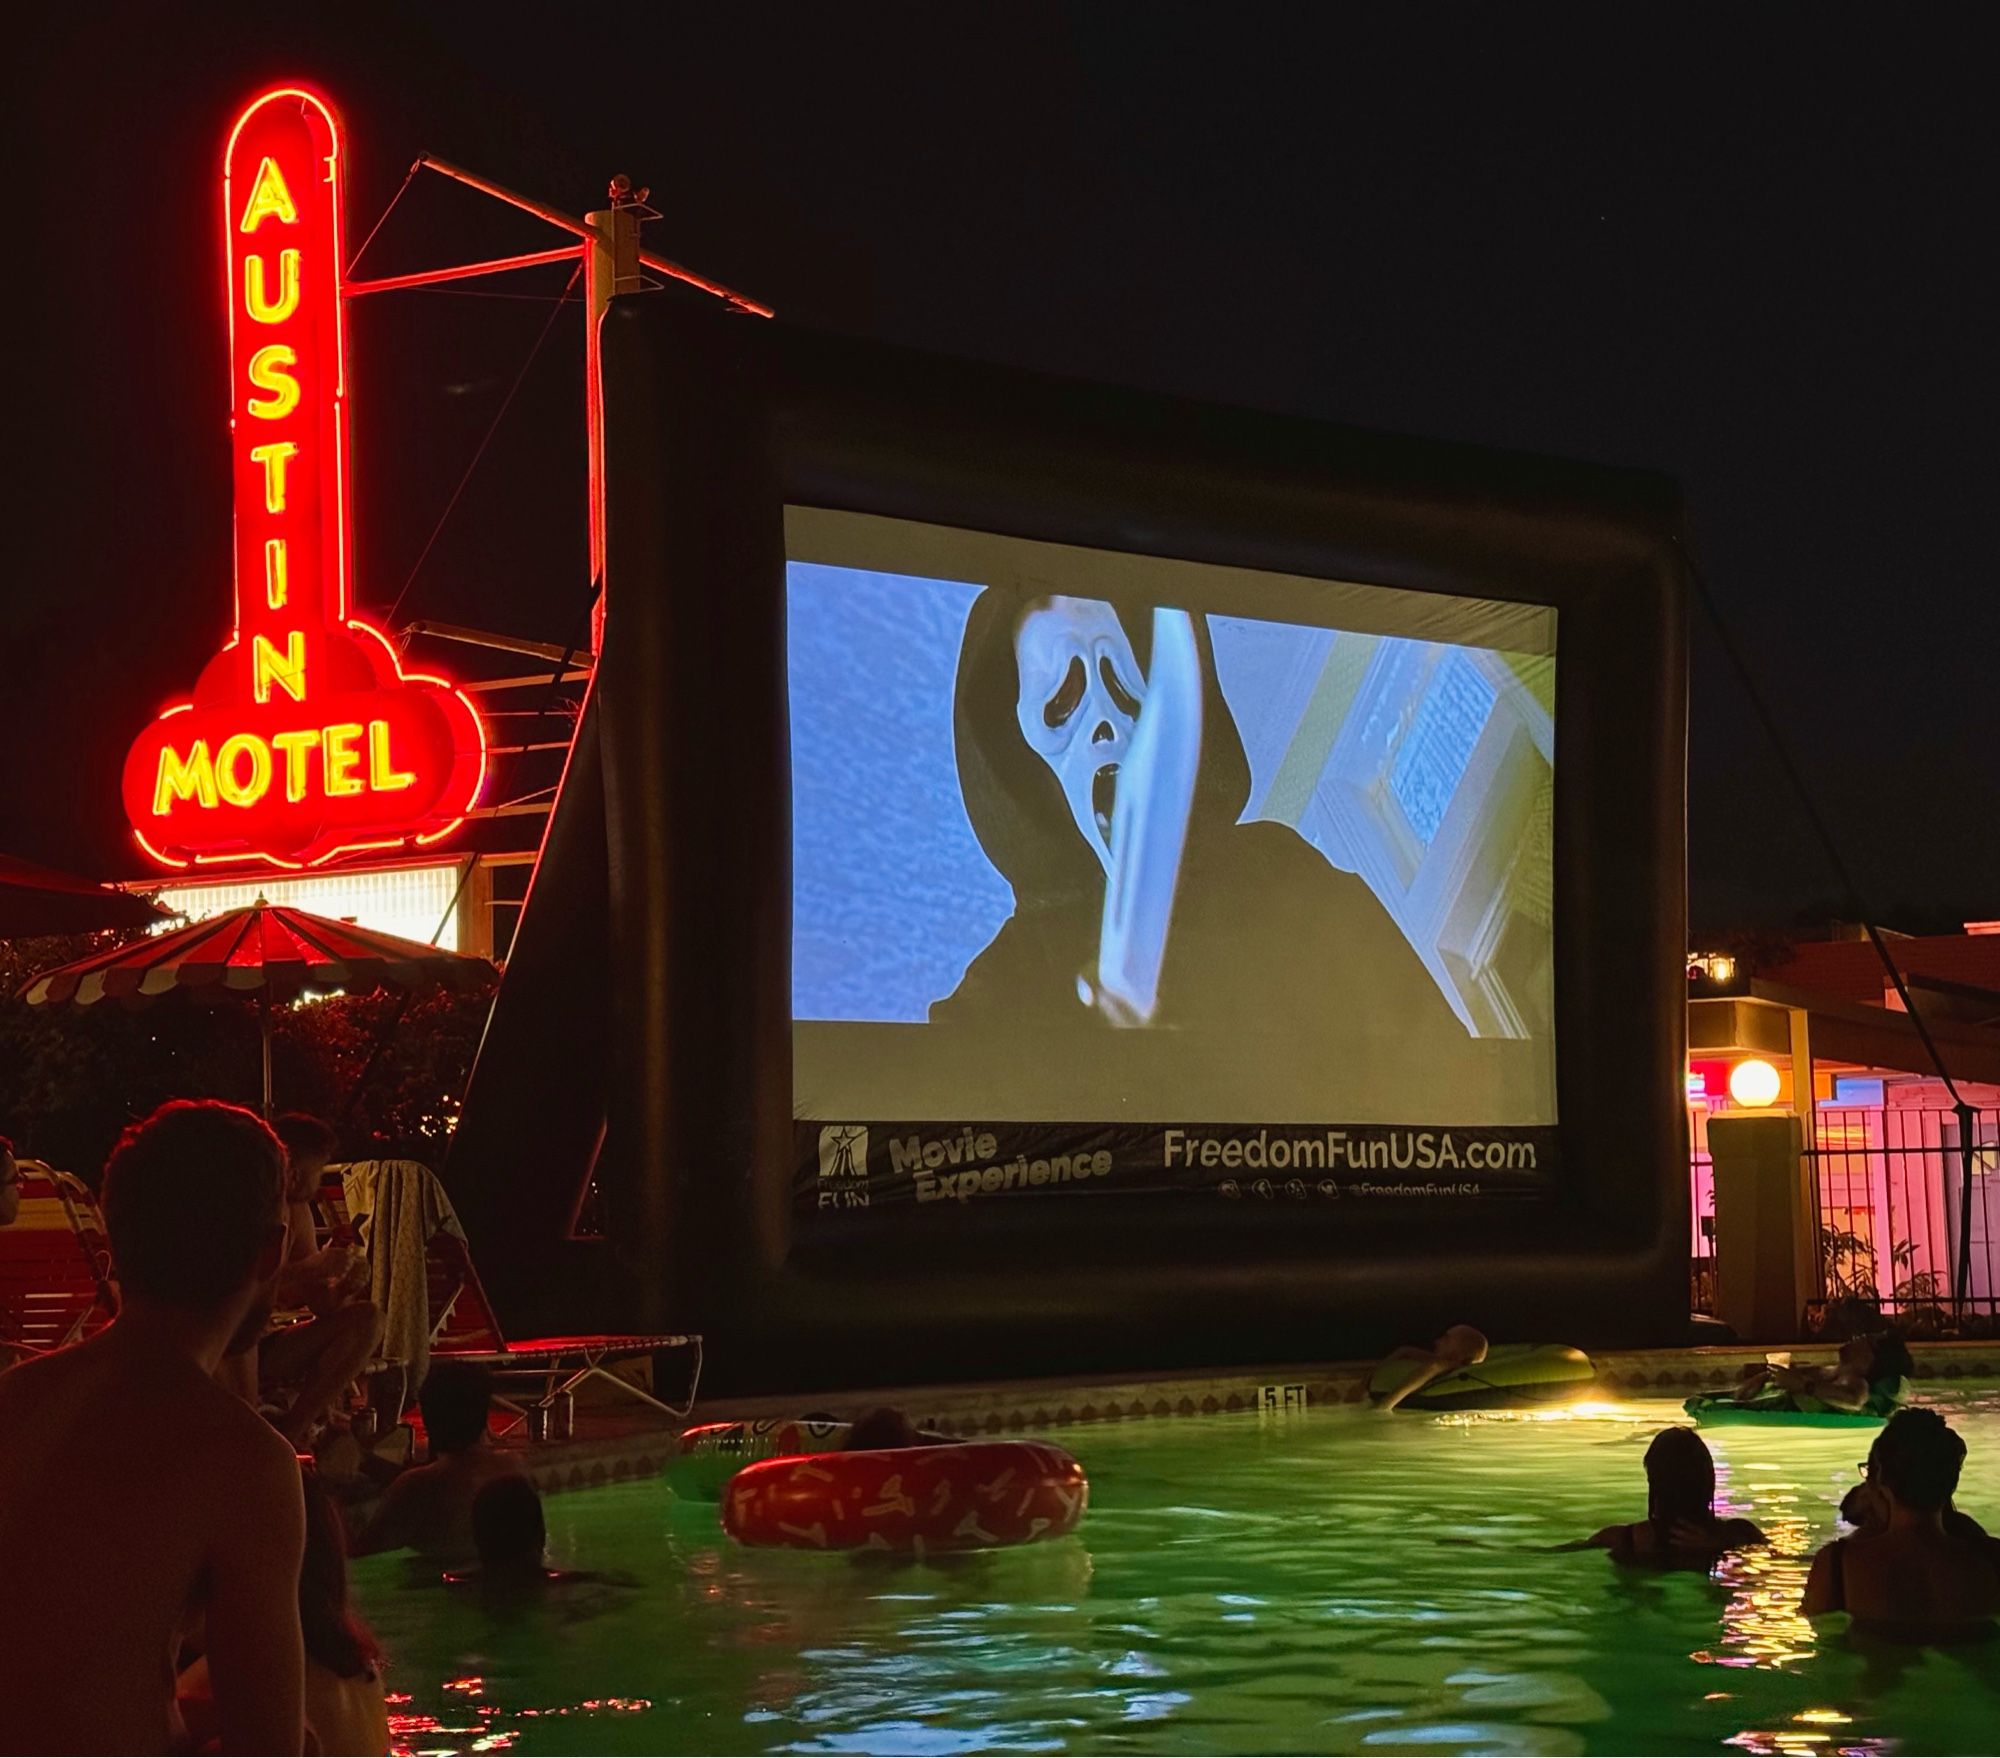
304	739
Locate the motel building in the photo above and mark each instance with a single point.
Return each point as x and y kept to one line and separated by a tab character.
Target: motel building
1897	1185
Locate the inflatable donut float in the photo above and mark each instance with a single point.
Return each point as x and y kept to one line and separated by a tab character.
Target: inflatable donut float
1513	1376
912	1501
712	1453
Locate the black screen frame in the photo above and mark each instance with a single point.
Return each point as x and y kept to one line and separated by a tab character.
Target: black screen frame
715	423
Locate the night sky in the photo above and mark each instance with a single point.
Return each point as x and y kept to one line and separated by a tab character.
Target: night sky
1738	247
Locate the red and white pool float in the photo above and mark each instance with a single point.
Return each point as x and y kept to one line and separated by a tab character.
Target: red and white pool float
909	1500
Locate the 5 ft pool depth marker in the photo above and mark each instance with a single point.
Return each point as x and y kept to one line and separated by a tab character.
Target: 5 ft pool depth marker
304	738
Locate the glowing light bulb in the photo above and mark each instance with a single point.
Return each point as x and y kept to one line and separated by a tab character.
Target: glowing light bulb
1754	1083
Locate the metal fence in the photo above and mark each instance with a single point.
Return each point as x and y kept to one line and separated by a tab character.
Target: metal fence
1896	1219
1890	1215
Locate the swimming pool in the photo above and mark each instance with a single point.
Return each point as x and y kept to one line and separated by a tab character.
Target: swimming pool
1325	1582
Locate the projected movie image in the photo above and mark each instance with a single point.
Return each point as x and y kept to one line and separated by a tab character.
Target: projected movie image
1097	859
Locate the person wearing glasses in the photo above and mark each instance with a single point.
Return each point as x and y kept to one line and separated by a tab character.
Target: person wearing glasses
1915	1570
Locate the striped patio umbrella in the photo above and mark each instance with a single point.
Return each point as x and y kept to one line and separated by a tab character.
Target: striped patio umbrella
265	950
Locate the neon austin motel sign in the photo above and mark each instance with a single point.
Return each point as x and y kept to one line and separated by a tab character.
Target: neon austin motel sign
304	738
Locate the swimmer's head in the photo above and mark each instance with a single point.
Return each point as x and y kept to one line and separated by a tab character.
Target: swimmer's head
881	1429
1917	1458
1680	1477
1462	1344
1882	1359
507	1526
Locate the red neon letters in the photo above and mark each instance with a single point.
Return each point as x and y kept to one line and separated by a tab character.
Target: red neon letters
304	739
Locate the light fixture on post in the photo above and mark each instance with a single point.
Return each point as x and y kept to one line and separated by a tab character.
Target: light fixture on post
1754	1084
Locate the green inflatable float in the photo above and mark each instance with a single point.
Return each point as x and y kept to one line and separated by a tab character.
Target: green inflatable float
711	1454
1714	1410
1513	1376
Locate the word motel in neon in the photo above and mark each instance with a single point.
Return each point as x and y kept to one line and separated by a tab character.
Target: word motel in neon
304	739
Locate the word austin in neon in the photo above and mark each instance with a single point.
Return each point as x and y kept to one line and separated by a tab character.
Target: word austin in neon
304	739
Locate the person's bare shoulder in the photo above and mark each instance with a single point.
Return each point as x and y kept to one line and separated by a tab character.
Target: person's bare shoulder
216	1426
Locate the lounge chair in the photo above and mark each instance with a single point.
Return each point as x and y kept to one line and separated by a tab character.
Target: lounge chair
55	1268
537	1370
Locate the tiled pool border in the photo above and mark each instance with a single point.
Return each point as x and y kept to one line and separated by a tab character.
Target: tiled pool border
1045	1406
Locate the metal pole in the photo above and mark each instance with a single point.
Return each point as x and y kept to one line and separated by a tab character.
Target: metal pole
499	192
583	229
264	1017
465	271
611	267
1961	1280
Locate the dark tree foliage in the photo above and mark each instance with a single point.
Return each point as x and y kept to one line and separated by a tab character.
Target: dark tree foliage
71	1078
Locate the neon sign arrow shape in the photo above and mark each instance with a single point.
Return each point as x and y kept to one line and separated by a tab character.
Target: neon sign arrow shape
304	739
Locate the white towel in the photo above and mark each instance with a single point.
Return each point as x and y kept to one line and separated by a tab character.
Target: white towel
397	1208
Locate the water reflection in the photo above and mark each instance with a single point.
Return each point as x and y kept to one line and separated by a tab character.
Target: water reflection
1332	1584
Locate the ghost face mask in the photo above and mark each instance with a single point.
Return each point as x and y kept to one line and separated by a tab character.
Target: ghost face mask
1079	705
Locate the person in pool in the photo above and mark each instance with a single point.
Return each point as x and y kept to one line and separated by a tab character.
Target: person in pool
1681	1528
1910	1579
1868	1377
889	1427
512	1538
1459	1347
1867	1508
429	1507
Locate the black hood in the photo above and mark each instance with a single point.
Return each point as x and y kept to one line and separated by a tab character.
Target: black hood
1012	797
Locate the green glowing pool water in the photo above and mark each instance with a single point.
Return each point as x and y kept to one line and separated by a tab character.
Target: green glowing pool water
1333	1582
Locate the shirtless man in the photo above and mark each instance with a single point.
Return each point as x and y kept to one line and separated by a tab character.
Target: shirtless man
314	1361
1909	1578
429	1507
135	1490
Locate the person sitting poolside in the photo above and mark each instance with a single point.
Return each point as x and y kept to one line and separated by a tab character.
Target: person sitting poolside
133	1488
1869	1377
1459	1347
1681	1528
887	1427
346	1711
305	1368
1908	1578
428	1508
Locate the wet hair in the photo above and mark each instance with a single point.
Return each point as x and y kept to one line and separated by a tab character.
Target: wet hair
1889	1361
335	1636
1917	1458
507	1523
455	1399
191	1196
1680	1477
881	1428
